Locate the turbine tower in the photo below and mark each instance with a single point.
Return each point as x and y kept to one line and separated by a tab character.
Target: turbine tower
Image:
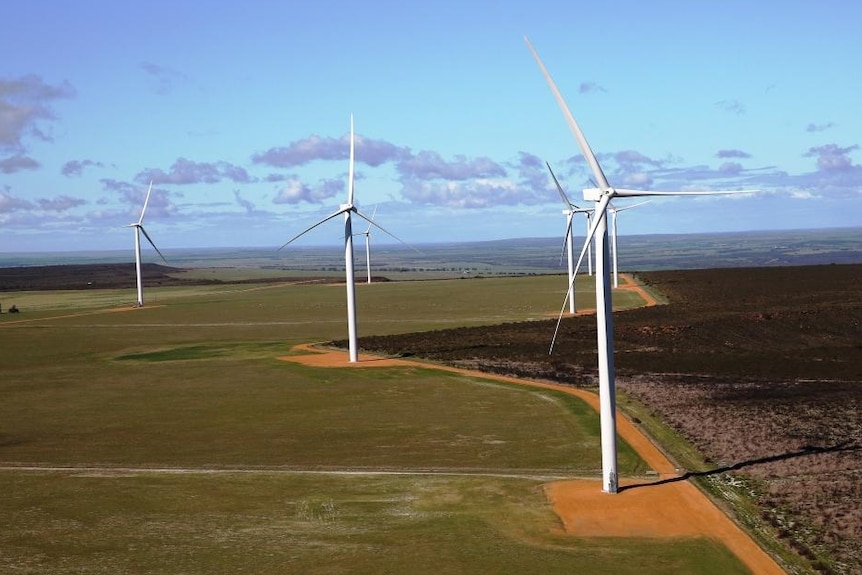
570	211
602	196
348	210
367	234
614	211
139	229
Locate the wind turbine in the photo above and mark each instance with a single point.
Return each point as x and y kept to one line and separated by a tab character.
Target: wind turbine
367	234
348	210
602	196
569	212
614	211
139	229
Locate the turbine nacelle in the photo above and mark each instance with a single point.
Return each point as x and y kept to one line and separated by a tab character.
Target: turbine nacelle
595	194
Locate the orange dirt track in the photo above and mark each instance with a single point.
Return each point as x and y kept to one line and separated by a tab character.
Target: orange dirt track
670	507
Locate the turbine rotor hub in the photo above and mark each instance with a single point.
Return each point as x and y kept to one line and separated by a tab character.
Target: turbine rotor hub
595	194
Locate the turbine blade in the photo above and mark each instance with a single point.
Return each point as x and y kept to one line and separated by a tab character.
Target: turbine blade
308	229
624	208
624	193
573	125
146	201
566	239
350	169
601	208
371	222
373	214
563	195
149	239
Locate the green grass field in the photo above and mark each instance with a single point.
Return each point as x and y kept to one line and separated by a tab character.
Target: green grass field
195	450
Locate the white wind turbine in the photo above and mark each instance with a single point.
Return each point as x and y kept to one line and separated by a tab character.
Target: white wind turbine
569	212
614	211
602	196
367	234
347	209
139	229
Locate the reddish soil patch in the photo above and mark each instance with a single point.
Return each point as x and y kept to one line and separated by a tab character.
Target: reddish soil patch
315	357
665	510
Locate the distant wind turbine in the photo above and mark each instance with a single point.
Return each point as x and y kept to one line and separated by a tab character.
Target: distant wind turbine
348	210
367	234
569	212
602	196
614	211
139	229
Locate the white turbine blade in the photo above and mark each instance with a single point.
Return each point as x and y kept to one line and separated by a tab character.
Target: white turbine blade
350	169
146	201
308	229
624	208
373	214
384	230
566	239
600	213
149	239
563	195
573	125
624	193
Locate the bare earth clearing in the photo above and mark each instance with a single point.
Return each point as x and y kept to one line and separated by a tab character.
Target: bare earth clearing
761	369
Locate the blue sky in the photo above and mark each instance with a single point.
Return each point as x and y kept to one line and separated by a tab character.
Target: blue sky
239	112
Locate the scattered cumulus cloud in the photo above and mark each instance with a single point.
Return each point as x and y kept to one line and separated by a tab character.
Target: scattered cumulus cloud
24	103
427	165
76	167
730	168
25	111
818	127
17	163
632	158
590	88
637	180
295	191
166	79
460	194
184	171
60	203
303	151
731	106
535	179
833	158
133	195
732	154
20	212
373	152
802	195
246	204
9	203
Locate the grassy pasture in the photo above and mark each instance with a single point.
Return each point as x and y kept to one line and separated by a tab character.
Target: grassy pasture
194	385
271	523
